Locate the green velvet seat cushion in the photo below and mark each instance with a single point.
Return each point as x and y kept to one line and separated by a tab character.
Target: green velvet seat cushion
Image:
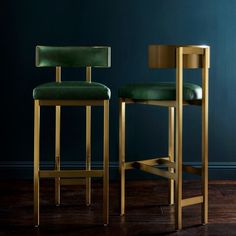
159	91
72	90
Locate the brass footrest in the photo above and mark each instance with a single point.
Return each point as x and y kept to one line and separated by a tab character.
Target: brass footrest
150	162
161	161
192	170
70	173
192	201
153	170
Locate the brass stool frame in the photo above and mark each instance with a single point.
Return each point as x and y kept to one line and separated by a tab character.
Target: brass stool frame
179	57
71	177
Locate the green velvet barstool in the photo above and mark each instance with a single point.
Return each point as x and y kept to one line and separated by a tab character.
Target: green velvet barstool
72	93
173	96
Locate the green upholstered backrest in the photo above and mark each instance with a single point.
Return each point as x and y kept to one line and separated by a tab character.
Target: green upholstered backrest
76	56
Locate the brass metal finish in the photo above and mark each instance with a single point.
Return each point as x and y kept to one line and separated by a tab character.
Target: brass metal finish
205	78
179	121
57	153
179	57
166	162
88	153
58	74
193	50
70	173
153	170
171	150
88	142
36	160
192	170
106	163
163	56
88	74
192	201
122	154
151	162
57	143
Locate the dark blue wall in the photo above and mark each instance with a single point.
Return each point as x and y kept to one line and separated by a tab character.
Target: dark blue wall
128	26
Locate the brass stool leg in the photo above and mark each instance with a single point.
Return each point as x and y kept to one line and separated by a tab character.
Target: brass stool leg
171	151
57	145
88	154
205	138
179	122
57	155
36	161
106	164
88	142
122	154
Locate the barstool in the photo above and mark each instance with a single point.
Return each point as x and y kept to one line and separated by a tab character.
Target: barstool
174	96
72	93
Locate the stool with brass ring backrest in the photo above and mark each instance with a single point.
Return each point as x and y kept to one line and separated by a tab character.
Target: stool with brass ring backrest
174	96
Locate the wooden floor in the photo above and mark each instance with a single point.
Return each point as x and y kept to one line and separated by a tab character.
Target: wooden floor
147	210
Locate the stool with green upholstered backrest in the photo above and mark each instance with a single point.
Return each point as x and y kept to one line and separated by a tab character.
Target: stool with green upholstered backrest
72	93
173	96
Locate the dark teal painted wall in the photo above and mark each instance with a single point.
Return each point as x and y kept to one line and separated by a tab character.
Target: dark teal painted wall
128	26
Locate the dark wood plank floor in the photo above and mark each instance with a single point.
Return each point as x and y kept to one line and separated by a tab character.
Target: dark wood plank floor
147	210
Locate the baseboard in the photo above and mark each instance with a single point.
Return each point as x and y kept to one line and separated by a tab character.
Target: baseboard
24	169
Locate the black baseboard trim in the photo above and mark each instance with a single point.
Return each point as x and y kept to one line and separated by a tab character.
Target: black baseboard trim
24	169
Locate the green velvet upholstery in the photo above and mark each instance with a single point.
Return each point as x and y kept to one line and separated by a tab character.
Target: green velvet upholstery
77	56
159	91
72	90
